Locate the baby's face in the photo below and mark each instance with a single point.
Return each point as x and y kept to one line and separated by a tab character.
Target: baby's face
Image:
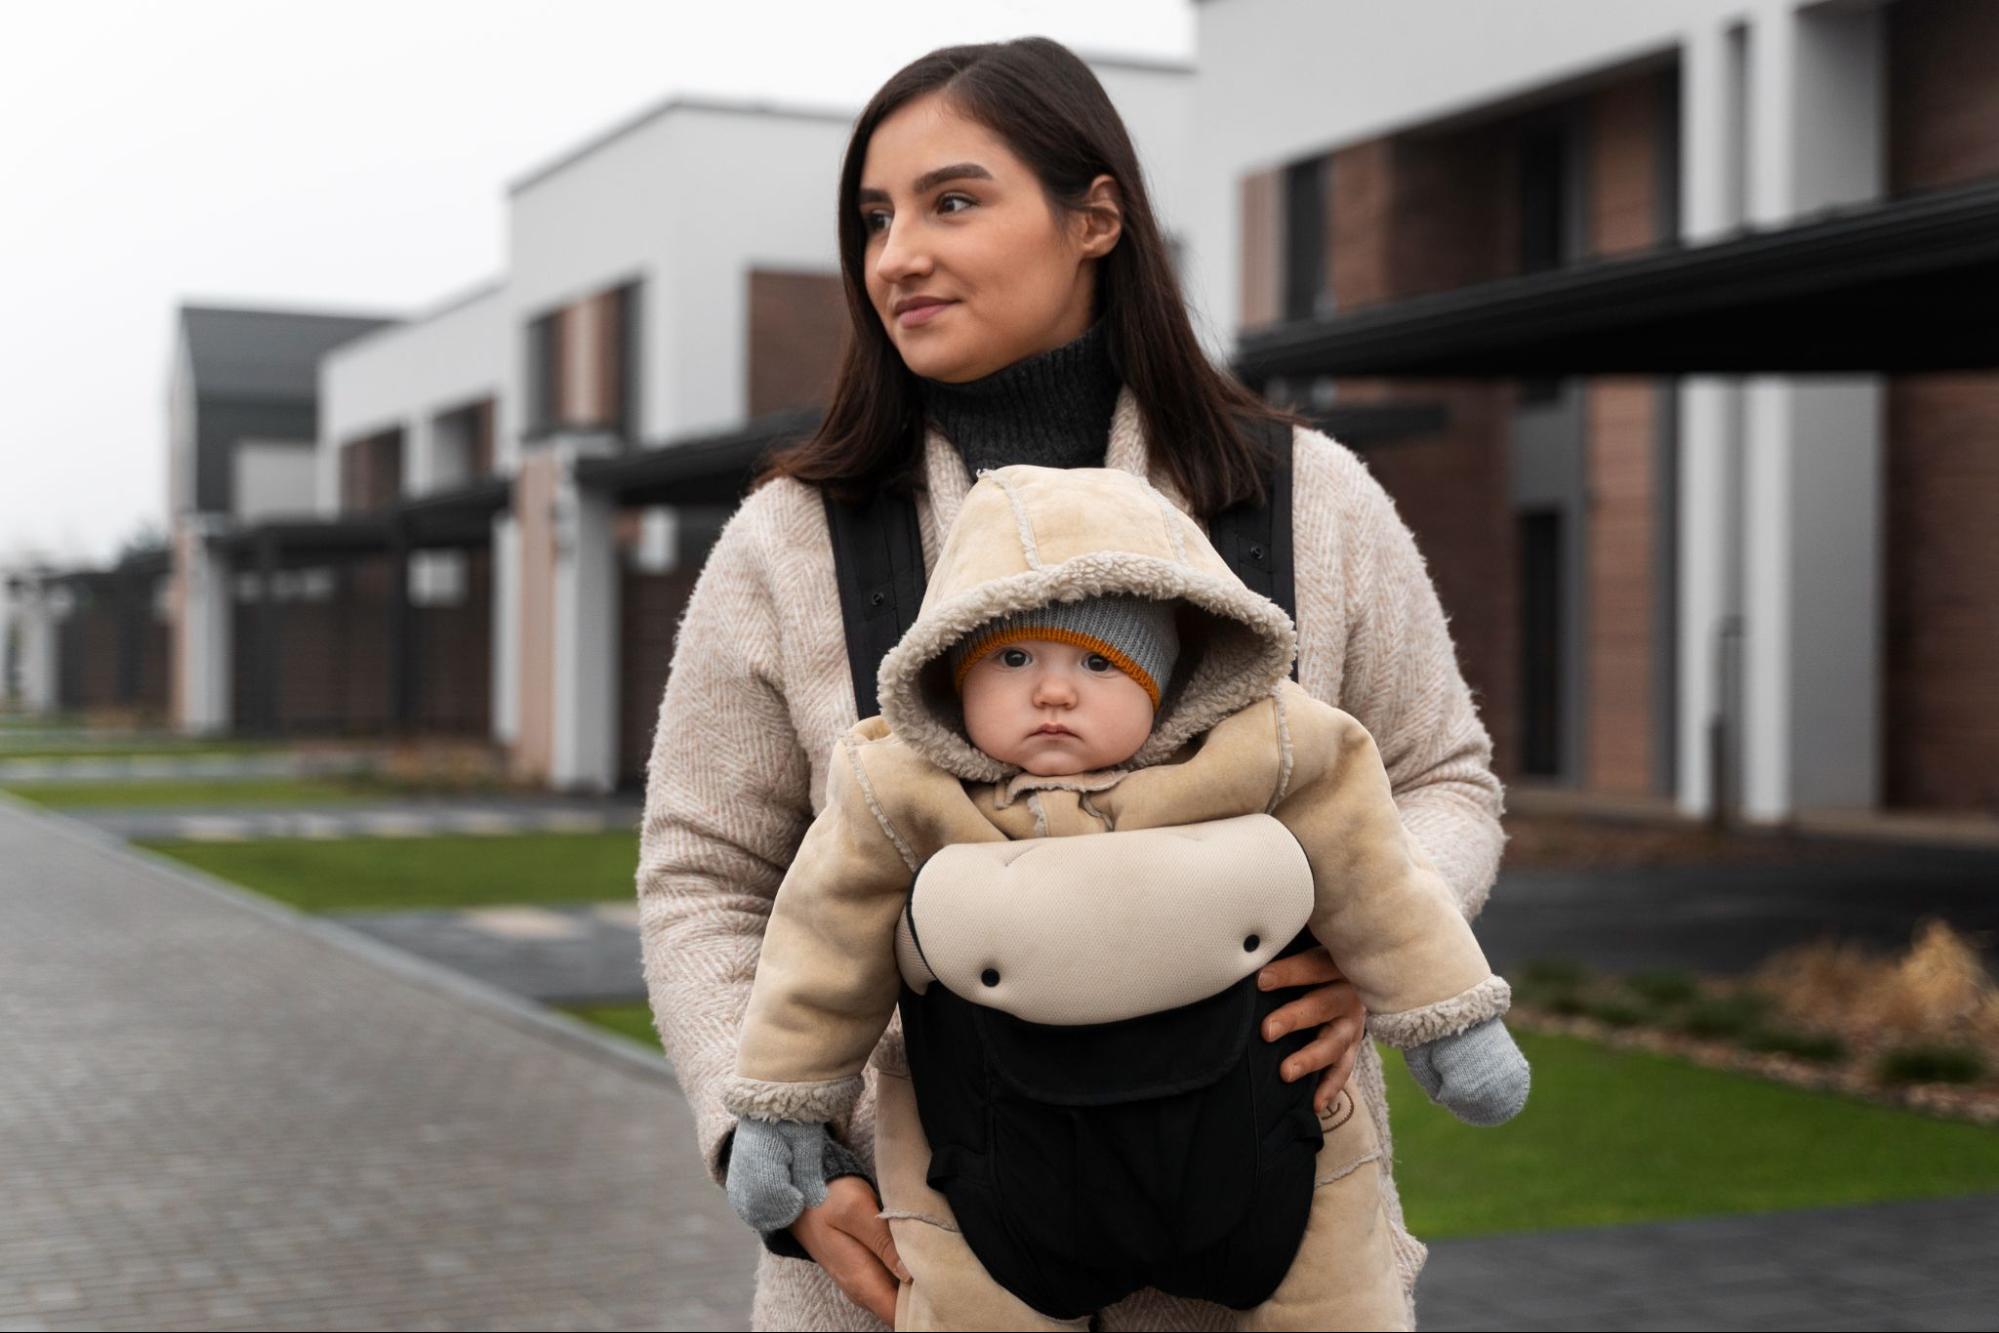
1014	695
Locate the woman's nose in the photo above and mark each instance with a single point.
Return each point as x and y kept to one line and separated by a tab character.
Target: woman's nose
900	258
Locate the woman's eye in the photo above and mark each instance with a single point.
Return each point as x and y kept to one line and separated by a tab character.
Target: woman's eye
949	197
868	220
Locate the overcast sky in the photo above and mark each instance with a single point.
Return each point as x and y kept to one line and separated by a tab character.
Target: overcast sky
351	157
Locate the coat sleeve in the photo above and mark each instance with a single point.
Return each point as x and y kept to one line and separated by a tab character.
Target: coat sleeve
728	797
1380	905
827	980
1400	679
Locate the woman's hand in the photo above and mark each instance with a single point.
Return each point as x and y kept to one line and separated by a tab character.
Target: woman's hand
846	1238
1336	1005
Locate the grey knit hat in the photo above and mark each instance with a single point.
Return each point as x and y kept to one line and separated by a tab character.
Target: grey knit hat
1136	633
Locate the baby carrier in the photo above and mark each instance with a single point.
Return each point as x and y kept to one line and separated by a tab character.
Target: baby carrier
1085	1161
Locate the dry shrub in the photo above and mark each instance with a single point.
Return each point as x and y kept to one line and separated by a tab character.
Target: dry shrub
1938	989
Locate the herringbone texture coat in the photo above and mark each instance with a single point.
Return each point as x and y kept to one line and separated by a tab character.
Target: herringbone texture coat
759	691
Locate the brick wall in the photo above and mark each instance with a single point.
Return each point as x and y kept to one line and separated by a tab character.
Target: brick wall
1940	709
1624	169
1450	488
798	328
454	657
1943	93
649	611
1261	195
1621	421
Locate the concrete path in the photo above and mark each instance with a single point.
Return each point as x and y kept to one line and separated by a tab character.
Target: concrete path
163	767
216	1113
1728	918
552	954
1882	1266
408	818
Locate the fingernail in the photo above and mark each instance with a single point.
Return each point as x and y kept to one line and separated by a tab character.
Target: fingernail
1272	1030
1263	980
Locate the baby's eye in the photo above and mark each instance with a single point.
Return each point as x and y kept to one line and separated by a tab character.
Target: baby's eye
1013	657
1098	663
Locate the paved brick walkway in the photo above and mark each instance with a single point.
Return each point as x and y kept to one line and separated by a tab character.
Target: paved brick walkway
213	1115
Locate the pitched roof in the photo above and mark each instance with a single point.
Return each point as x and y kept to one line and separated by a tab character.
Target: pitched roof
238	353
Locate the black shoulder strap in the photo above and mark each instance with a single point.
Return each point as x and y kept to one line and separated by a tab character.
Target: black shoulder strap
878	561
1255	539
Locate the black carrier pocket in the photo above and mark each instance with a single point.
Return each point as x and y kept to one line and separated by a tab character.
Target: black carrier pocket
1087	1162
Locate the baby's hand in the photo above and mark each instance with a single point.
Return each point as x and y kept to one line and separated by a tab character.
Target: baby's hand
1478	1075
776	1170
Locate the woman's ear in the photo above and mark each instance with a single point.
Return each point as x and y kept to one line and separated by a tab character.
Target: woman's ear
1101	219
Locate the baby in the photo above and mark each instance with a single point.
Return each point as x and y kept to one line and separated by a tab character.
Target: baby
1093	808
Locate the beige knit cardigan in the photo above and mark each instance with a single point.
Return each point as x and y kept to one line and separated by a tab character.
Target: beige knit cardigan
760	690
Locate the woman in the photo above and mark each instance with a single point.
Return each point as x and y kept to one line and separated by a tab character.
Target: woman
1011	301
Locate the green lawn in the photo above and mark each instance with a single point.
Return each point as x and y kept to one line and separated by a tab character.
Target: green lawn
241	793
1615	1136
387	874
627	1020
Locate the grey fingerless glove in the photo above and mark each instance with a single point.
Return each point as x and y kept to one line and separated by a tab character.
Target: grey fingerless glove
1478	1075
776	1170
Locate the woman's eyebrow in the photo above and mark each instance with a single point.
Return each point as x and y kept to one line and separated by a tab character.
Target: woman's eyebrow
930	180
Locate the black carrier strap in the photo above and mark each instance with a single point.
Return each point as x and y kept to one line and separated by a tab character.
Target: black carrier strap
878	561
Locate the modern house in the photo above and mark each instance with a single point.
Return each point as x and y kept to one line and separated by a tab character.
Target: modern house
1695	293
1664	325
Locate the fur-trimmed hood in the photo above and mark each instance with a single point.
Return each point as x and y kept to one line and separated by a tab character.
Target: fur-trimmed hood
1027	536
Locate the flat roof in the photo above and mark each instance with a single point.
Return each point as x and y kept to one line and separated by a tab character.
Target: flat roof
245	352
1907	285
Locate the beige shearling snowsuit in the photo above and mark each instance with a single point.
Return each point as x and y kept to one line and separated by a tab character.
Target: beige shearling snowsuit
1252	810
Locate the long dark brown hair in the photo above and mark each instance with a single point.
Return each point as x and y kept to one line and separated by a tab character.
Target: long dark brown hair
1049	109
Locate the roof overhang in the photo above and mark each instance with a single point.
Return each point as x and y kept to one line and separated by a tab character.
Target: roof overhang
713	469
450	520
1894	288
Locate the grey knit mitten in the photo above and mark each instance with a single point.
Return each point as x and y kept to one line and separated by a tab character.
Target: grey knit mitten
776	1170
1478	1075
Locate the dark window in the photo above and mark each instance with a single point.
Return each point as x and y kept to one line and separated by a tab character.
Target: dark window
1540	643
371	472
628	306
544	373
1304	238
1545	169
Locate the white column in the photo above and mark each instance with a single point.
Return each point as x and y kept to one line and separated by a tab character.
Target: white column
1812	495
208	605
1713	78
586	627
1709	580
37	621
506	654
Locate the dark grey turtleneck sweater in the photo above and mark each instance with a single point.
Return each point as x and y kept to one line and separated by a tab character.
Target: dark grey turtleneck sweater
1053	408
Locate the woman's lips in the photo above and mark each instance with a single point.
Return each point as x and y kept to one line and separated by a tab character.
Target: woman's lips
922	314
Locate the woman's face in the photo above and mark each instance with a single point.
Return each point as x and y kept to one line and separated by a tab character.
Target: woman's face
953	217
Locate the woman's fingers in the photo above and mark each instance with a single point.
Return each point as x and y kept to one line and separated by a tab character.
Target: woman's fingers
1322	1005
1331	1042
882	1242
845	1237
1313	967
